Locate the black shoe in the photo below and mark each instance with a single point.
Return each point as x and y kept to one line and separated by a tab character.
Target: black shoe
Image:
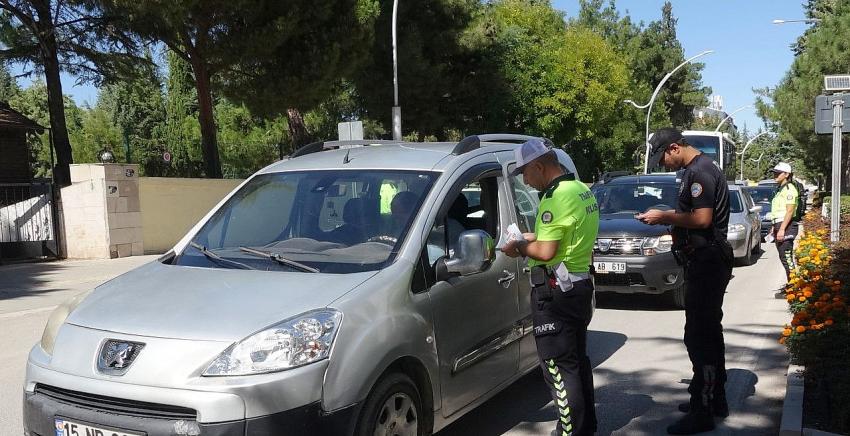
720	408
692	423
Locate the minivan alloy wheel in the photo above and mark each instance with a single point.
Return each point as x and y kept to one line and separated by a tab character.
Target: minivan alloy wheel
398	417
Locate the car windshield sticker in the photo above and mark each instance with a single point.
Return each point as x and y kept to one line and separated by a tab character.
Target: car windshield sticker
546	217
696	190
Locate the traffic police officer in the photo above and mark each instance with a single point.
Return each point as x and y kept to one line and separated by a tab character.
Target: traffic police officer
782	210
700	224
559	255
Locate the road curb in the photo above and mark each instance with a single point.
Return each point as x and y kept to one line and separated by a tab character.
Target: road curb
792	407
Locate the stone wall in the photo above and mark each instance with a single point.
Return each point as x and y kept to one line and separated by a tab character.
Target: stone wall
171	206
102	212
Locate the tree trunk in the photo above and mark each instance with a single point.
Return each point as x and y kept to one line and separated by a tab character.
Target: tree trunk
55	101
209	147
298	133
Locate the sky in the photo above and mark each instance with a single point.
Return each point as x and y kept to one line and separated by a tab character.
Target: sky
749	50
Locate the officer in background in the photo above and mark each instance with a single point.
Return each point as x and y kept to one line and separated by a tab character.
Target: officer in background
783	207
700	224
559	255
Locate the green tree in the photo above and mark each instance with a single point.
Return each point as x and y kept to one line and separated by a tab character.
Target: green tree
54	36
9	87
789	108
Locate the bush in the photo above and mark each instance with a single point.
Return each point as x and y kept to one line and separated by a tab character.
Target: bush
818	336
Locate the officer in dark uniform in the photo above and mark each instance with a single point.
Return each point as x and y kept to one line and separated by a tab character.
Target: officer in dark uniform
559	255
700	224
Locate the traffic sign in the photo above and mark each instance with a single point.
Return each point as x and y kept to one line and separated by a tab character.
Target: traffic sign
166	157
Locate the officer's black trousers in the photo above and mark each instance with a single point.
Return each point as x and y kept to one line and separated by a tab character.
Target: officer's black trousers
706	275
785	248
560	331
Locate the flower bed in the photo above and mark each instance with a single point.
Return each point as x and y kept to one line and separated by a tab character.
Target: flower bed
818	335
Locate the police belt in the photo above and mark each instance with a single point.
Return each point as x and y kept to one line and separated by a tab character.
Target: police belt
550	273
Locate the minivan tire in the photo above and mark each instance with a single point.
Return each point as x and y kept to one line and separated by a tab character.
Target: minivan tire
394	404
677	296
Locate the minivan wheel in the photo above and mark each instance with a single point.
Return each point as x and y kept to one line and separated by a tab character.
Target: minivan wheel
393	408
677	296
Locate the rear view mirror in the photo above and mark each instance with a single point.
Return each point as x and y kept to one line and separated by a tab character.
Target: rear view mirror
755	209
476	251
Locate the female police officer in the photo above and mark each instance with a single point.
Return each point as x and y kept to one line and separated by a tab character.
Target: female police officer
700	224
559	255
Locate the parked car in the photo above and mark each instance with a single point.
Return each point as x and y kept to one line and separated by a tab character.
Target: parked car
762	195
744	232
631	257
299	306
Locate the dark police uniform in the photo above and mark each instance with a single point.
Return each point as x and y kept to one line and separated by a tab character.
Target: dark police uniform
708	268
568	213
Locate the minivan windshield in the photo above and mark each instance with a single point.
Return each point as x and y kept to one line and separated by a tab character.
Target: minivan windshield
334	221
635	197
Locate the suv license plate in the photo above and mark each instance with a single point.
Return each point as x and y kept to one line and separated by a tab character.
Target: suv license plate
71	428
610	267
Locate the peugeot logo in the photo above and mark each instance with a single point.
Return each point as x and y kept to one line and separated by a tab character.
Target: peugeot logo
116	356
604	245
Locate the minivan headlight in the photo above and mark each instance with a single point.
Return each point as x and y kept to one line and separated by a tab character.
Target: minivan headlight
655	245
57	318
298	341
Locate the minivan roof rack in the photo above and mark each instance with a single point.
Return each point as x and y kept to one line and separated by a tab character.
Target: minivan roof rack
473	142
316	147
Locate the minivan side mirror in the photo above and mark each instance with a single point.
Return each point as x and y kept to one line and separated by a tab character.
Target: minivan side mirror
755	209
476	250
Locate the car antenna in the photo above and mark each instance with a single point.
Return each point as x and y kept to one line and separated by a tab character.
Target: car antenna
346	159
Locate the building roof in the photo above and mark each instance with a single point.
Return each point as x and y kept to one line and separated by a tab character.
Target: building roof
12	119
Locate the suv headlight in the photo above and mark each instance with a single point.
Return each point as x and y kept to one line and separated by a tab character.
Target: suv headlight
298	341
57	318
655	245
736	228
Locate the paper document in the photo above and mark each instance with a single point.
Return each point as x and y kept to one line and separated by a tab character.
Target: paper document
512	233
563	277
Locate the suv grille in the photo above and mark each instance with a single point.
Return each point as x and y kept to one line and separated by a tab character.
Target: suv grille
116	405
629	279
618	246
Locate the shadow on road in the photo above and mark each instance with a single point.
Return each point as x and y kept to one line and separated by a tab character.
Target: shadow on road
27	279
608	300
526	400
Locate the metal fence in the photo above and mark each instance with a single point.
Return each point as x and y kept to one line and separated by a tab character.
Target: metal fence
27	222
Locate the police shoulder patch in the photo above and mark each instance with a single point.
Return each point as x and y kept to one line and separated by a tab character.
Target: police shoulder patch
696	190
546	217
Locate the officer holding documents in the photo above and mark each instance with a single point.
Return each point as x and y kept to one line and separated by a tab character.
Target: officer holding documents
700	223
559	256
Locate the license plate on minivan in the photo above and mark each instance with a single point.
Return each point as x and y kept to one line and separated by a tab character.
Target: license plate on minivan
610	267
65	427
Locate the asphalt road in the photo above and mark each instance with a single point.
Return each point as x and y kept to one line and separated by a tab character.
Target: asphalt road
640	364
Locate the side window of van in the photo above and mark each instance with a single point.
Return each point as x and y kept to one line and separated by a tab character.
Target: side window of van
476	206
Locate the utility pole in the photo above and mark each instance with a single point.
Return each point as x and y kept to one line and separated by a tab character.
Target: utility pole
835	211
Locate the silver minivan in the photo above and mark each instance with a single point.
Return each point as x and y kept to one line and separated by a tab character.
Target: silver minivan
353	288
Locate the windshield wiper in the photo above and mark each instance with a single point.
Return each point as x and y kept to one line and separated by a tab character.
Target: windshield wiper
280	259
216	258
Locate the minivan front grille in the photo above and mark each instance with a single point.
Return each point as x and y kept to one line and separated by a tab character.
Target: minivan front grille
618	246
116	405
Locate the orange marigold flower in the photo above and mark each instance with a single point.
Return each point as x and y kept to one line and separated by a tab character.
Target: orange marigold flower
807	294
801	329
829	322
786	332
802	299
782	341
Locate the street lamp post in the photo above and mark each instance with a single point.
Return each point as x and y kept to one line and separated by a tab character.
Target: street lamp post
729	117
652	100
745	150
808	20
758	163
396	107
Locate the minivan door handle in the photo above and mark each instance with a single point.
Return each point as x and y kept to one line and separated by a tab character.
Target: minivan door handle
507	278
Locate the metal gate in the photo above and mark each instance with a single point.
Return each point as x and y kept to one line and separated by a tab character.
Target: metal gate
27	221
